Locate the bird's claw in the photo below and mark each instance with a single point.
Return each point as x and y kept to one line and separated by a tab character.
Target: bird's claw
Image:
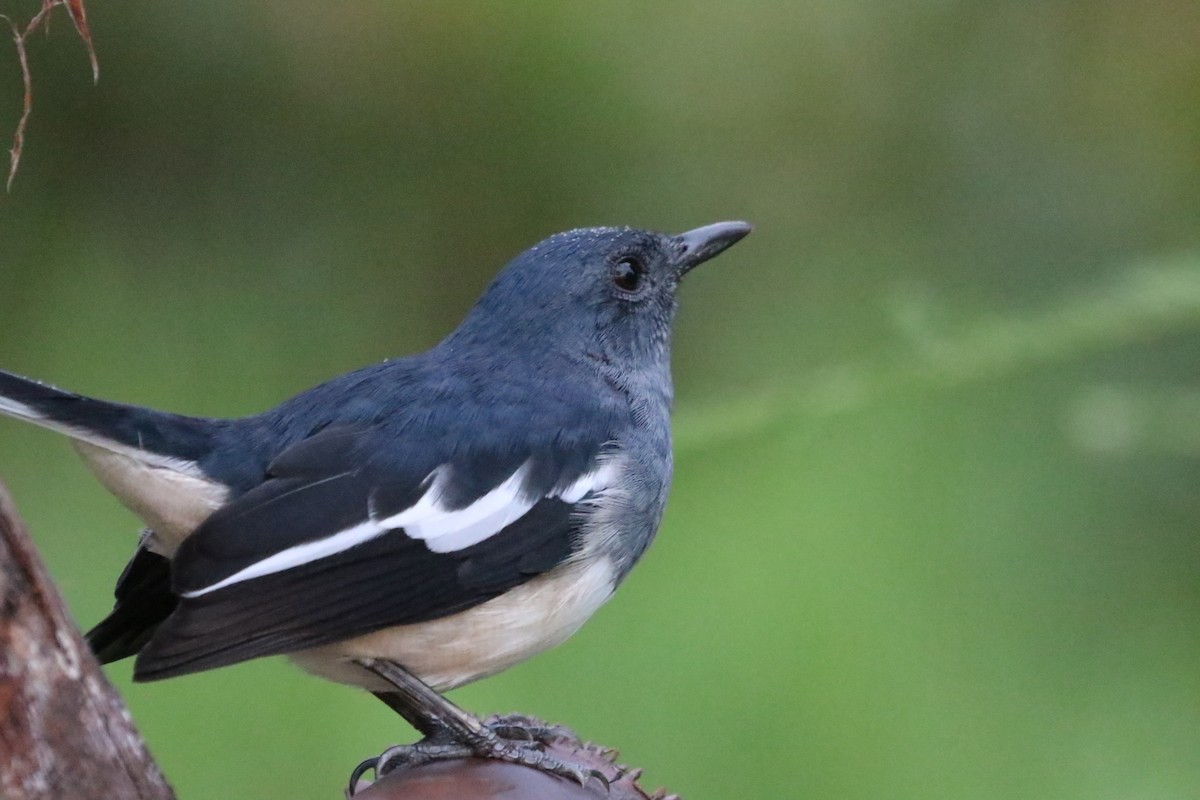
365	766
592	772
519	732
515	739
520	727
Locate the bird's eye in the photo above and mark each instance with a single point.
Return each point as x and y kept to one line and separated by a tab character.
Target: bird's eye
628	273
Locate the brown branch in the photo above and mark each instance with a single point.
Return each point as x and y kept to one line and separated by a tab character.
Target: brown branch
79	18
64	731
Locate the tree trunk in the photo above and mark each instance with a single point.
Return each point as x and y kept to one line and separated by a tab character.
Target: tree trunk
64	731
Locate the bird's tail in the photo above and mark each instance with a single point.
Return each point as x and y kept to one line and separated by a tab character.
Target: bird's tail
144	600
141	433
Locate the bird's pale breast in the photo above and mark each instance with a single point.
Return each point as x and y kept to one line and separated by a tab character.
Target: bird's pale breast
481	641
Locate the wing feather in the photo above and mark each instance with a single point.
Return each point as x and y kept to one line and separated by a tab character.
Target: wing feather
268	574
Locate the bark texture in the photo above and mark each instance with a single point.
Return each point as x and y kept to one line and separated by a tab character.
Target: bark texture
64	731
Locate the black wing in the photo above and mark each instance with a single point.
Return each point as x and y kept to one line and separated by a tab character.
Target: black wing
251	585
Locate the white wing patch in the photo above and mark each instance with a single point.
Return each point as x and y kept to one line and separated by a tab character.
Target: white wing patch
445	531
442	529
300	554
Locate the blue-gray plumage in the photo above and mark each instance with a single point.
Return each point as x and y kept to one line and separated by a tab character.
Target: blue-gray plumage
452	512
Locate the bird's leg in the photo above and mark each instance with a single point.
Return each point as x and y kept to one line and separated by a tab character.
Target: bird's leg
400	704
450	732
423	708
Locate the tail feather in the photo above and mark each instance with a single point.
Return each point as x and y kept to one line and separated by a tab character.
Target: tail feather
141	432
125	446
144	600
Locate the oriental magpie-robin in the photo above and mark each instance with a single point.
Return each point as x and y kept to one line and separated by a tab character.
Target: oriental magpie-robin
418	524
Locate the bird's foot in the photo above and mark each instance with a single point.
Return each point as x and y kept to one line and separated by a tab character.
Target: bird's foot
521	728
513	738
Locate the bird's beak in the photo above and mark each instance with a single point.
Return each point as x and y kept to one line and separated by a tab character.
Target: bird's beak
696	247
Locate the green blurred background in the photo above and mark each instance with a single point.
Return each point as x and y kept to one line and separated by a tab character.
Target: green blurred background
934	527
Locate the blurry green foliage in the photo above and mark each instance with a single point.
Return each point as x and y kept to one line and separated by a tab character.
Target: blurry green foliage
934	529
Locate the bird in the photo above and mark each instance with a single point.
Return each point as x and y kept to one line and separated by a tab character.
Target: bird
421	523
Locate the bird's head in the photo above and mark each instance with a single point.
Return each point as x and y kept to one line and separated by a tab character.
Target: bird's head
607	293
